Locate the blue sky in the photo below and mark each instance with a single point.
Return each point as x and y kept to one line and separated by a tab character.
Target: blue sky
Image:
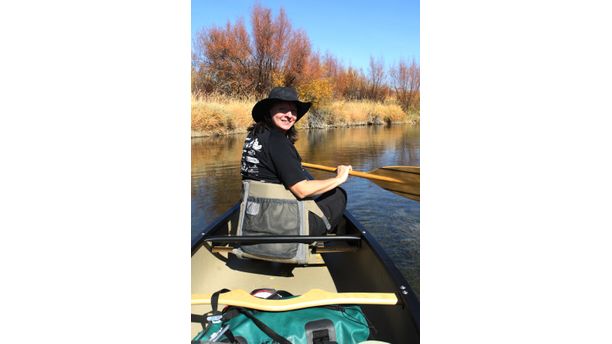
352	31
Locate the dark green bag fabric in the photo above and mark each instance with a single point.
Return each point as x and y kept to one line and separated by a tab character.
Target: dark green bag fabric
328	324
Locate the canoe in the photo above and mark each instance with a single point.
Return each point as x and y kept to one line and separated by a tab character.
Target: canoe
346	264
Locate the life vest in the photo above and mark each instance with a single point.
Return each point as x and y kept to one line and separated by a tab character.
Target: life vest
270	209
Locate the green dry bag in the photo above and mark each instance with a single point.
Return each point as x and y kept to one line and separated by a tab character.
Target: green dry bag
320	325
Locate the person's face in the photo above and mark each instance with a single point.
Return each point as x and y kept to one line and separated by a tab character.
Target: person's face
284	115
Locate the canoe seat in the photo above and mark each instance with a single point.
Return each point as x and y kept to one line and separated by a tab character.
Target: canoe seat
312	298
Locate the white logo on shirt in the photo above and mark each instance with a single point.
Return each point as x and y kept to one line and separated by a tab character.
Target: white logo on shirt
249	164
256	145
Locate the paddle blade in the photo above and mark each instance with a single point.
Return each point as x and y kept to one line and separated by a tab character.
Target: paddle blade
410	177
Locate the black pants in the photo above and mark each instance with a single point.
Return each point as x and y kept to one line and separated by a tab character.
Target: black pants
332	203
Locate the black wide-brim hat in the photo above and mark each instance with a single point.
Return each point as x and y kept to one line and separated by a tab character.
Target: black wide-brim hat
286	94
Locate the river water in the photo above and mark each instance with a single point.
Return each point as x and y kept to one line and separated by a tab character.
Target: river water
393	220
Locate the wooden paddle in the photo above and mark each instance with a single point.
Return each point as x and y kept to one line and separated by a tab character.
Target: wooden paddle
312	298
403	180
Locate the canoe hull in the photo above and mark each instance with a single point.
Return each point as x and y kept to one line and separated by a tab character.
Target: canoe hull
366	269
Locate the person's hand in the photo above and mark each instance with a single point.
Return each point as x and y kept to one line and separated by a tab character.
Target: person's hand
342	172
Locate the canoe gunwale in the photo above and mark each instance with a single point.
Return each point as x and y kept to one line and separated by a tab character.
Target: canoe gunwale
199	239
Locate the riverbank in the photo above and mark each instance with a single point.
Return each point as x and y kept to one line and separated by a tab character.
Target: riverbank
212	116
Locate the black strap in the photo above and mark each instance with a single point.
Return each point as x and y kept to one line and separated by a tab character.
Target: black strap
196	318
264	327
230	336
214	300
230	313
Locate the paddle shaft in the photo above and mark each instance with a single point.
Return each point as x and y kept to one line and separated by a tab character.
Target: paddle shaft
354	173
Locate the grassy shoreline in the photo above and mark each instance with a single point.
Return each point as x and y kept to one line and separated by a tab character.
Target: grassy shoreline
211	116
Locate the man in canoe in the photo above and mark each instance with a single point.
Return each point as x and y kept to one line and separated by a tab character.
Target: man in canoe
269	158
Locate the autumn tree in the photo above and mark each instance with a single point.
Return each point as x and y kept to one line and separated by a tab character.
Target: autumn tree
224	54
236	64
271	39
376	76
351	84
314	84
331	71
406	82
298	53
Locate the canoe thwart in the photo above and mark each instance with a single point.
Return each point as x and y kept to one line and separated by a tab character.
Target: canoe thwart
312	298
317	249
268	239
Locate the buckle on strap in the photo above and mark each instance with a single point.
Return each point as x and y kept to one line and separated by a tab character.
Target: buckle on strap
215	318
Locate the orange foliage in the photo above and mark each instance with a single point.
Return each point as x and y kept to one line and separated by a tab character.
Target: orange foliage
319	91
351	84
228	61
298	51
406	81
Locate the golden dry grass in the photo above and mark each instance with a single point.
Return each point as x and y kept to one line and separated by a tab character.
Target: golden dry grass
219	115
362	112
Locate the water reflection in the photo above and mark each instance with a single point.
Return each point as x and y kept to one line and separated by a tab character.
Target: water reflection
392	219
363	147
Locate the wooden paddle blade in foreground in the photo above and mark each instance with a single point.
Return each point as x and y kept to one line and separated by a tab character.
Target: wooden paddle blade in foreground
410	176
402	180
